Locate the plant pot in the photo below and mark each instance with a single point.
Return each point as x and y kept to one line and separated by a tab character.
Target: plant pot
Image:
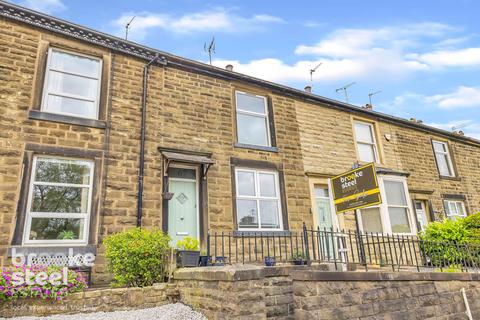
186	258
220	260
270	261
203	261
300	262
167	195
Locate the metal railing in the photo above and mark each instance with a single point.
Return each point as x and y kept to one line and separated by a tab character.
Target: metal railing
344	250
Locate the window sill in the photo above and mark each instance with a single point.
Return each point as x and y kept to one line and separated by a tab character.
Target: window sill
47	116
450	178
254	147
277	233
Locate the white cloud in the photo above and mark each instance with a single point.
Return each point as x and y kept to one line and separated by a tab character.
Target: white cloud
450	58
354	42
349	54
463	97
470	127
46	6
214	20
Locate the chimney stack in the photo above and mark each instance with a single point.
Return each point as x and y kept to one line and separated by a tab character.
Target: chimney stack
308	89
229	67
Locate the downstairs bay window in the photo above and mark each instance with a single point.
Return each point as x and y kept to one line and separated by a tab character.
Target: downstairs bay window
394	215
59	201
258	205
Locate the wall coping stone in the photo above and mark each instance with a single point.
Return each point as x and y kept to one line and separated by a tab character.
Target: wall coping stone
225	273
307	275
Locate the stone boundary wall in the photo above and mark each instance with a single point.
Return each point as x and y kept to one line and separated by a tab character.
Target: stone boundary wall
93	300
392	296
281	293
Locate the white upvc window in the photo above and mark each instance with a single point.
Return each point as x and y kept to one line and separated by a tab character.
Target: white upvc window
252	119
59	201
72	84
365	141
394	215
258	200
455	209
444	160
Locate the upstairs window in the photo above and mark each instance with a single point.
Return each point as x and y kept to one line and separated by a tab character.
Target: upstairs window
365	140
258	200
444	160
455	209
72	84
252	119
59	201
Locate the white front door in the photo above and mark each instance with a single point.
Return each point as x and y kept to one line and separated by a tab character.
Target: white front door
421	214
183	217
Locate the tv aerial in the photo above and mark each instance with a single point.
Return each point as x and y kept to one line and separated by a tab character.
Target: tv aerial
371	94
313	70
127	26
210	49
345	88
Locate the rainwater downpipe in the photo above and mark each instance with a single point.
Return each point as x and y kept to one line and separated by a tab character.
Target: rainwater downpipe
141	169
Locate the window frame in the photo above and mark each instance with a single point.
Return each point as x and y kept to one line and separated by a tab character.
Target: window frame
46	92
266	117
448	155
257	198
383	207
376	150
51	215
448	202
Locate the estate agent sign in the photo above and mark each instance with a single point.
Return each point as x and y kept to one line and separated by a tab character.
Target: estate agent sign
357	188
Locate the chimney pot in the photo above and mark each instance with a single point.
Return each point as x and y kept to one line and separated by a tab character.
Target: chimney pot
308	89
368	106
229	67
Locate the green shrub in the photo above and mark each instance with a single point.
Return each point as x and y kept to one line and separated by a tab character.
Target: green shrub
472	224
137	257
450	242
188	244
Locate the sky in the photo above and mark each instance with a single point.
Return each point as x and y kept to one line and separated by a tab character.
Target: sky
424	56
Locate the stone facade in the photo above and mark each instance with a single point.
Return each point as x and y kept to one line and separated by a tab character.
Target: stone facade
191	107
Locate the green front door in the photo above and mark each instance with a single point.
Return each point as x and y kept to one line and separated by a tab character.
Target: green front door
324	221
182	209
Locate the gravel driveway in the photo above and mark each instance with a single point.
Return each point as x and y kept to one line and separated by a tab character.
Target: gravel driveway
175	311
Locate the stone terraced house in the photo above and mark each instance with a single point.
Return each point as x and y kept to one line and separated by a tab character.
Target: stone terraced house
99	134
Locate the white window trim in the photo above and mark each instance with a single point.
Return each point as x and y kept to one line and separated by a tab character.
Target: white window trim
456	203
45	93
265	115
29	214
384	215
257	198
374	144
446	153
